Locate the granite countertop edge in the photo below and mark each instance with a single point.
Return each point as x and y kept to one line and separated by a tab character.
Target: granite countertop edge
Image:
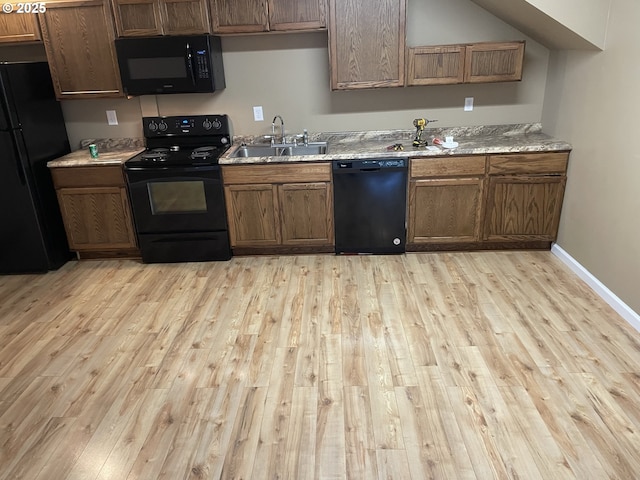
482	140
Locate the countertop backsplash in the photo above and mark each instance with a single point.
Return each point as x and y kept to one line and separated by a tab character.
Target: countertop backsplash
108	144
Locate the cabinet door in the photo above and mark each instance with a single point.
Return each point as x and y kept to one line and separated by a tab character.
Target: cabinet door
296	14
438	65
184	17
445	210
494	62
253	215
19	27
524	207
306	213
367	43
239	16
97	218
78	37
136	18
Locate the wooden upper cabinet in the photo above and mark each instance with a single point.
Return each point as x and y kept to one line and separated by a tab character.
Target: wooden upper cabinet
79	40
19	27
494	62
367	43
239	16
436	65
473	63
287	15
184	17
251	16
137	18
161	17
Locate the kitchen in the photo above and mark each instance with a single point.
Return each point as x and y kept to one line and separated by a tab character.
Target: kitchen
570	91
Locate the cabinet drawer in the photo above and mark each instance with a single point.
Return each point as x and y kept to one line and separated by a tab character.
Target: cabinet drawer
447	166
88	176
280	173
528	163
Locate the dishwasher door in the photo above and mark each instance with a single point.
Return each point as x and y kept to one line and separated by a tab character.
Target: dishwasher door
370	202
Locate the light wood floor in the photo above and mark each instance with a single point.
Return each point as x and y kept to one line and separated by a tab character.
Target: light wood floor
422	366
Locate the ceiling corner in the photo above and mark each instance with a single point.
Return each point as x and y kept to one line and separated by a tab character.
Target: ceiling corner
566	25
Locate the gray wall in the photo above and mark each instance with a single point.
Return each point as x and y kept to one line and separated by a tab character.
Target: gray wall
288	74
591	100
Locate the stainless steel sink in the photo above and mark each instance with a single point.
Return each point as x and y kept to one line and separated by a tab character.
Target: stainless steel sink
314	148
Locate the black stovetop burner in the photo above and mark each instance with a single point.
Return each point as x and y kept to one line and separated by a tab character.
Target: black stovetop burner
183	141
205	155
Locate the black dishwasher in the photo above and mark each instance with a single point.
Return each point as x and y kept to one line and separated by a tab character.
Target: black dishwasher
370	198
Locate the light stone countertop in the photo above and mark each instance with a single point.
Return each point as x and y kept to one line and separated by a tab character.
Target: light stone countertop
81	158
482	140
111	151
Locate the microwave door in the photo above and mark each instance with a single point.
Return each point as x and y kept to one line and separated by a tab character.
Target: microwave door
170	64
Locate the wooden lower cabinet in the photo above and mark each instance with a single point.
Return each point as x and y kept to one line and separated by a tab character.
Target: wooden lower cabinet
252	211
478	202
95	210
445	199
291	207
306	213
524	207
524	197
445	210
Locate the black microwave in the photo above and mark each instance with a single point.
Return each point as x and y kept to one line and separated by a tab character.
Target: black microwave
180	64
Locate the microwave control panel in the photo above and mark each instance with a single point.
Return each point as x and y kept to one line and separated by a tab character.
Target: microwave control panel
202	65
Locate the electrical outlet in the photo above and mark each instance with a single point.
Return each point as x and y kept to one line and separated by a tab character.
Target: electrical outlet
112	118
258	115
468	104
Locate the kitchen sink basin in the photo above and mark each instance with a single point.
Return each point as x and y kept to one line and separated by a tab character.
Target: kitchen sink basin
314	148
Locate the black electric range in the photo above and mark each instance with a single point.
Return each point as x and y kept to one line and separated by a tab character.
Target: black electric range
176	189
183	141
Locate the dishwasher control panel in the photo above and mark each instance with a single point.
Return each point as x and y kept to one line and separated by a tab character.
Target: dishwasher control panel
367	164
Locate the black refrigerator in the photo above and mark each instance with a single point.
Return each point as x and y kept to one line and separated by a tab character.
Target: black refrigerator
32	132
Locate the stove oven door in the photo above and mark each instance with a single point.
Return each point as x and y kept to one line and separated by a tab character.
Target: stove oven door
177	200
179	213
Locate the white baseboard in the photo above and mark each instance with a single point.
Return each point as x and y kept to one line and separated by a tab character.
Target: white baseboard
607	295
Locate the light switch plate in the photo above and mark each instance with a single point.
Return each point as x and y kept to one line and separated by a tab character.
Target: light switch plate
112	118
258	115
468	104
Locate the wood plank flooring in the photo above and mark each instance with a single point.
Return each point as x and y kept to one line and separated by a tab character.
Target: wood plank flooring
487	365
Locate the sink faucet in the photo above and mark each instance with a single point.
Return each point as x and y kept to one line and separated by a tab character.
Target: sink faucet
273	130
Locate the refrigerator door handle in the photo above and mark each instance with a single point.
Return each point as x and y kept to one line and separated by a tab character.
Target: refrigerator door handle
7	117
19	154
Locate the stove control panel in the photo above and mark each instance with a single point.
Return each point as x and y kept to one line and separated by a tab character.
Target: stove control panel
185	126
